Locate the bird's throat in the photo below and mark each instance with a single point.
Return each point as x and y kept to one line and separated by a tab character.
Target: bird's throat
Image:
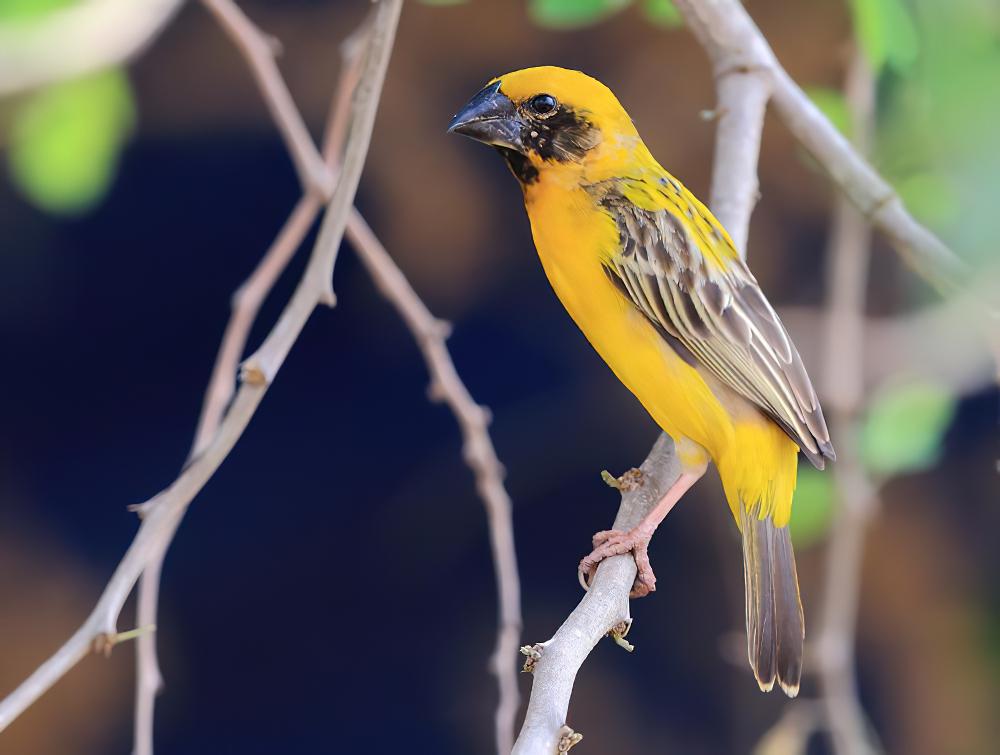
519	165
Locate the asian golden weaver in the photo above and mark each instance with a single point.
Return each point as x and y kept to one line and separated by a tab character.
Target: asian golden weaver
654	282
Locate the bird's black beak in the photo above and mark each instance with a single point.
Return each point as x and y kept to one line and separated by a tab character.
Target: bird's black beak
490	117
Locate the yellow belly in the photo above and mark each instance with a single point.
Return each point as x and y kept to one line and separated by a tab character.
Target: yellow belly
573	238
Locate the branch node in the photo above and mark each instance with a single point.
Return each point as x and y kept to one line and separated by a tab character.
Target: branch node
714	114
252	374
741	69
618	633
441	329
533	654
568	739
633	479
880	204
436	391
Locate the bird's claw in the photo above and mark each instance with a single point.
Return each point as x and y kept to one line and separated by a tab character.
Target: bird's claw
610	543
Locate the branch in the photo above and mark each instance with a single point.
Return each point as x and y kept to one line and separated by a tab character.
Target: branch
317	176
741	100
479	453
162	513
732	40
245	306
77	40
602	608
849	261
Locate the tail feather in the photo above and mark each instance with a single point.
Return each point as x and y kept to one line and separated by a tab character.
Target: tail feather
775	624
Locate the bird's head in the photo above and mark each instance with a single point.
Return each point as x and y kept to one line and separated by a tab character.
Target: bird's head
548	119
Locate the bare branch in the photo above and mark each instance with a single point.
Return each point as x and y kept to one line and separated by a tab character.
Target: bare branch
260	54
162	513
849	261
741	101
447	386
77	40
318	177
602	607
731	38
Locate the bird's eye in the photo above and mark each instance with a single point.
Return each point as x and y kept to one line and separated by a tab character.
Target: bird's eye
543	104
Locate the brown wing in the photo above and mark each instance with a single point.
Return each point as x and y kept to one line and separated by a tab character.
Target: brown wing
719	317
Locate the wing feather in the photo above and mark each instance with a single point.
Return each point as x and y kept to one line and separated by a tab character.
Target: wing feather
717	314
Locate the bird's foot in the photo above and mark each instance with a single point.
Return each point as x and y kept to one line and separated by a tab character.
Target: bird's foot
617	543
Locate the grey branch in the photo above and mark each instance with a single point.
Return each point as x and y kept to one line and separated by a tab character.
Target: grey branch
847	287
479	453
734	43
246	304
317	176
742	97
163	512
605	605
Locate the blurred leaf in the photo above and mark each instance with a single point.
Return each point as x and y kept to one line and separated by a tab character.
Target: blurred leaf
886	32
569	14
65	141
833	106
663	13
930	197
812	509
20	10
905	427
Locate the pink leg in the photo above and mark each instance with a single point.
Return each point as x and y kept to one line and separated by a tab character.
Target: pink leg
615	543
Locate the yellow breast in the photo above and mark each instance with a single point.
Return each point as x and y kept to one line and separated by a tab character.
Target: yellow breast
573	236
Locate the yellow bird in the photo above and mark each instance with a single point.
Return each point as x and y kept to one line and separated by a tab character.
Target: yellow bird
654	282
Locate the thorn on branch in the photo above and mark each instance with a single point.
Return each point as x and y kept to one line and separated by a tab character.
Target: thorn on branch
441	329
274	45
143	509
568	739
328	298
629	481
618	633
105	641
712	115
533	654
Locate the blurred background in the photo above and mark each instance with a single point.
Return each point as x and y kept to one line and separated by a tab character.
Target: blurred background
331	589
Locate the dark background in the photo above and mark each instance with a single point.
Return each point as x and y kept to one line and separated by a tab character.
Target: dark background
331	589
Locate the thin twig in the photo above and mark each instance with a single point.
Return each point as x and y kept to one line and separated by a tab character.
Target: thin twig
246	304
605	605
255	47
849	260
479	453
317	179
77	40
161	513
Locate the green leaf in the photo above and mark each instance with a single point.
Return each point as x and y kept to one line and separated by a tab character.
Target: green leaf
66	139
886	32
663	13
931	197
833	106
905	427
569	14
812	509
28	10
